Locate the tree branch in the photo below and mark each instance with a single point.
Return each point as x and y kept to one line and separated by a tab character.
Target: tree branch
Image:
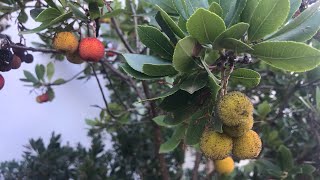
195	172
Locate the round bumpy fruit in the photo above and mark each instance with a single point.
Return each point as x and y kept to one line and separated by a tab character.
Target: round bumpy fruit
16	62
2	81
66	41
74	58
234	109
247	146
91	49
237	131
5	60
215	145
224	166
42	98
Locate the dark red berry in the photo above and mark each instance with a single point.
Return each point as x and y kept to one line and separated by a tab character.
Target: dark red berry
29	58
1	81
5	60
16	62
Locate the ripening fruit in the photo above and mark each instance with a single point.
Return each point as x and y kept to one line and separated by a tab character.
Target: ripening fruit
29	58
42	98
224	166
91	49
74	58
2	81
5	60
234	108
215	145
247	146
237	131
16	62
66	41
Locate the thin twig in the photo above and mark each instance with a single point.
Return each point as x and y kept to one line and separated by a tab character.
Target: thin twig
226	79
35	49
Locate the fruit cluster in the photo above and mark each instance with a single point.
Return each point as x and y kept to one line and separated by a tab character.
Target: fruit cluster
9	60
88	49
235	111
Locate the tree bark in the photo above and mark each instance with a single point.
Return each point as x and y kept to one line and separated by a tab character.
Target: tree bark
195	172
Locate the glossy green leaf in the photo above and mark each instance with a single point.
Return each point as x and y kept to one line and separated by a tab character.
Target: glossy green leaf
236	45
247	13
174	141
194	82
48	15
302	28
236	31
76	11
165	28
187	7
30	77
170	23
245	77
205	26
268	16
35	12
159	70
290	56
59	81
308	169
216	8
166	5
51	4
176	101
94	10
136	74
182	58
50	71
156	41
23	17
233	16
40	71
294	6
166	94
159	120
196	127
285	158
226	6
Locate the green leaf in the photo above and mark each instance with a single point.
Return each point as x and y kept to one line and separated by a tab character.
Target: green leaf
236	45
194	82
213	83
234	13
50	94
268	168
165	28
187	7
308	169
30	77
166	94
45	25
50	71
48	15
245	77
149	65
136	74
23	17
294	6
236	31
166	5
285	158
170	23
211	56
268	16
301	28
63	3
159	120
182	58
35	12
290	56
174	141
115	13
176	101
216	8
40	71
264	109
196	127
249	10
318	98
59	81
205	26
51	4
75	9
226	5
156	41
94	10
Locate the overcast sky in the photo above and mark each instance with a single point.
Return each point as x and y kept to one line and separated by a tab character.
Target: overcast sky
22	118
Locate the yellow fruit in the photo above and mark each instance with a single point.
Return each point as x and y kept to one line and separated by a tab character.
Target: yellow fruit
224	166
237	131
74	58
215	145
234	108
66	41
247	146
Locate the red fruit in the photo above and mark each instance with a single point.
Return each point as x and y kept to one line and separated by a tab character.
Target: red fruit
16	62
111	54
1	81
43	98
91	49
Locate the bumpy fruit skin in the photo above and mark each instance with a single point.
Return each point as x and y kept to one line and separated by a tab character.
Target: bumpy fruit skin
247	146
16	62
91	49
224	166
74	58
2	81
42	98
66	41
215	145
6	57
237	131
234	108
